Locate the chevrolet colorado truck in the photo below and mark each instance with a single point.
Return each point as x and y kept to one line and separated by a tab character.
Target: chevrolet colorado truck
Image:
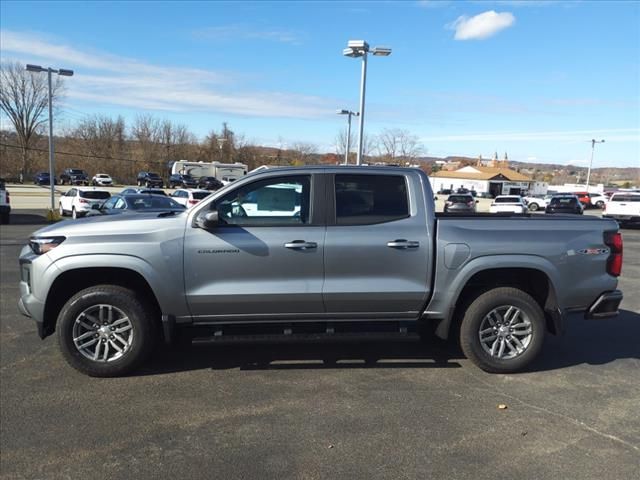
321	251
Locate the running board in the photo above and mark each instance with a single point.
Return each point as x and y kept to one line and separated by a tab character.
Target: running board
307	332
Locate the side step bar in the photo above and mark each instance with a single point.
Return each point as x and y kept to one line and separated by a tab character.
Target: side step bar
307	332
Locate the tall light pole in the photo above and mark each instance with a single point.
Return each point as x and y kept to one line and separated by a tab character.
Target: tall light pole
349	114
593	147
64	73
355	49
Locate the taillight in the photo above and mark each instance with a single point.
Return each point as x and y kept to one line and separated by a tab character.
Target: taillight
82	200
470	204
193	202
614	263
8	198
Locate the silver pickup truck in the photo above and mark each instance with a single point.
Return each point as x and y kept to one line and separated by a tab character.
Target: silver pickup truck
317	250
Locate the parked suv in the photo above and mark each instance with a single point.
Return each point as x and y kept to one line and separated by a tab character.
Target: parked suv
74	176
460	203
182	181
564	204
150	179
79	201
43	178
210	183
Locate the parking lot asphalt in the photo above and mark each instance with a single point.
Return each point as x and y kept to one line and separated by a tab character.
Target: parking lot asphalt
351	409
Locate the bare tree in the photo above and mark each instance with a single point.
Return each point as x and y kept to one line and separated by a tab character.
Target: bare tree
147	133
303	153
24	99
397	144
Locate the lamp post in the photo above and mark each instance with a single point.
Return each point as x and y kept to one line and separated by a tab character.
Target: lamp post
64	73
355	49
593	147
349	114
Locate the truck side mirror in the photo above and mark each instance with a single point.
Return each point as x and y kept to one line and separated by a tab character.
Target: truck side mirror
208	220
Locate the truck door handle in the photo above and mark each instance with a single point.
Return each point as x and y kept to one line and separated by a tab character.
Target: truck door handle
403	244
300	245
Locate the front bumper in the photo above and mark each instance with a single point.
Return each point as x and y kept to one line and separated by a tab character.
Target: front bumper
605	306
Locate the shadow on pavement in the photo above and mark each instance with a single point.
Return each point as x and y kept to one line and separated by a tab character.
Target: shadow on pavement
592	342
30	218
304	355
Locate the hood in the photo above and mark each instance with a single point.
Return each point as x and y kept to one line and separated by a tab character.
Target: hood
139	223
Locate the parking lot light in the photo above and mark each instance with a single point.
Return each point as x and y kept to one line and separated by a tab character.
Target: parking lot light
349	114
356	49
593	147
65	73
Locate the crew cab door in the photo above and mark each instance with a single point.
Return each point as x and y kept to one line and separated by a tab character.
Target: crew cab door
377	247
264	258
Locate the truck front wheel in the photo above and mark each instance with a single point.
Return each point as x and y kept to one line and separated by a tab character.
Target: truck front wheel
502	330
105	331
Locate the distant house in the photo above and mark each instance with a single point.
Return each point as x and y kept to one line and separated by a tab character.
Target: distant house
497	179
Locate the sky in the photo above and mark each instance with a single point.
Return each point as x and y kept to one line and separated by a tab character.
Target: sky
535	79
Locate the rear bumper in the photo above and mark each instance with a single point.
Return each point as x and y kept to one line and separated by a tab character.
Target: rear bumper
5	208
624	218
605	306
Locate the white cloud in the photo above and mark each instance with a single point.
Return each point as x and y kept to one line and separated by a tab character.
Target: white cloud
481	26
113	80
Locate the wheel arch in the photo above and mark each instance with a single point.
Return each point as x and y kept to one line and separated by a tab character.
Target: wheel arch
532	279
69	282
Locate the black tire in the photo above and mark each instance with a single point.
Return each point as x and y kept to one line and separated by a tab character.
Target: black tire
479	310
5	218
599	204
61	210
139	183
533	206
142	337
74	214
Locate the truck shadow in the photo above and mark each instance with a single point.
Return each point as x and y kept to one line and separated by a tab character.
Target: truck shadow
589	342
592	342
305	355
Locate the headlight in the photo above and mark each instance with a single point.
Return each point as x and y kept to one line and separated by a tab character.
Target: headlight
40	245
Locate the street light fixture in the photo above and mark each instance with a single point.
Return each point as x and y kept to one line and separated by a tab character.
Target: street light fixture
593	147
348	146
355	49
64	73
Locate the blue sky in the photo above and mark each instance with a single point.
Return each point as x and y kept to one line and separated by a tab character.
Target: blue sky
536	79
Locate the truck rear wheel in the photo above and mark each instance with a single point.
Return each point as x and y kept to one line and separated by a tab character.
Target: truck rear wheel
502	330
105	331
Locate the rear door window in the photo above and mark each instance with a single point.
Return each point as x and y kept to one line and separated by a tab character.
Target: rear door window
370	199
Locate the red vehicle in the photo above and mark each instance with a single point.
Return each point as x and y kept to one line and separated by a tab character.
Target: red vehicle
584	198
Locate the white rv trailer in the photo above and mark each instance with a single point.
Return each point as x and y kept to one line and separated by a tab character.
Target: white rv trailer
225	172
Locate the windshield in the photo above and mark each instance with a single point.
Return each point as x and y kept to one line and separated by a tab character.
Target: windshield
460	199
95	195
508	200
144	202
200	195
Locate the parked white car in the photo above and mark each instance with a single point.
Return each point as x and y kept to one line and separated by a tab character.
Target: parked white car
507	204
623	207
189	196
102	179
79	200
535	203
597	200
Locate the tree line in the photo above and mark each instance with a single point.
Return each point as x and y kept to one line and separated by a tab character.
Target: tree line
104	144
